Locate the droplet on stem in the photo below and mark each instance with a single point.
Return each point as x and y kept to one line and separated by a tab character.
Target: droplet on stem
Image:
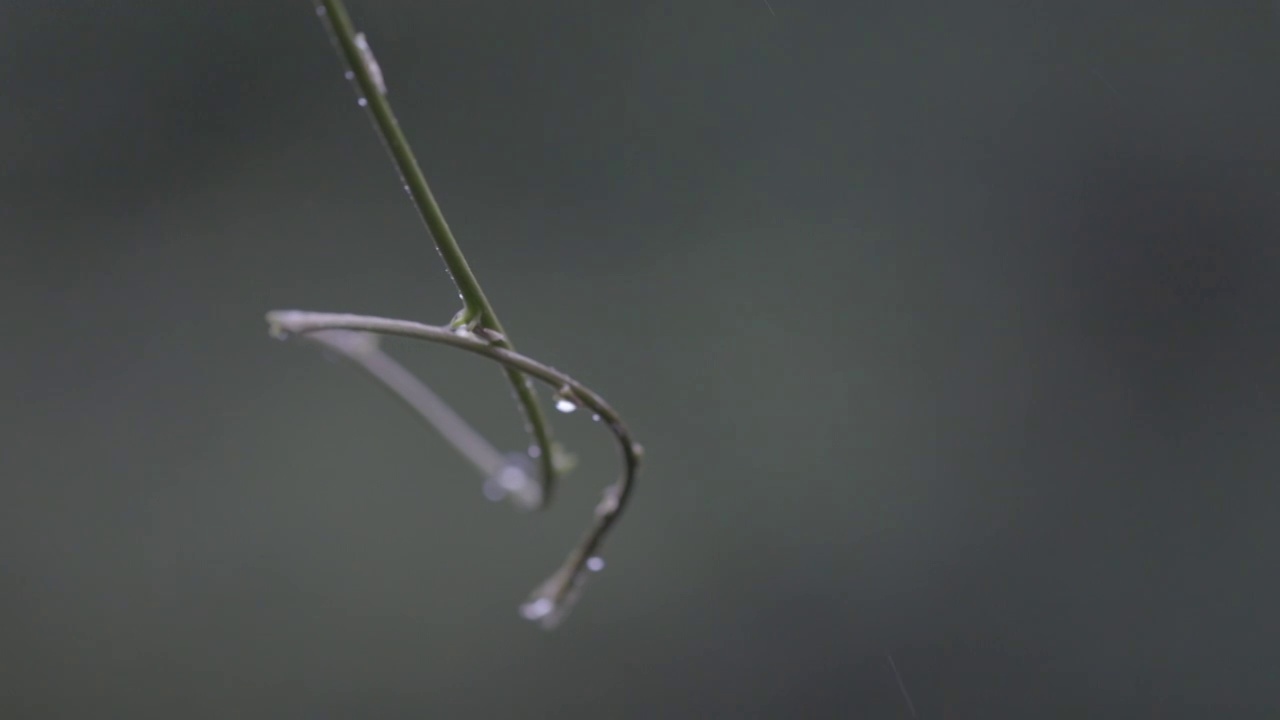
515	480
537	609
552	602
370	64
565	401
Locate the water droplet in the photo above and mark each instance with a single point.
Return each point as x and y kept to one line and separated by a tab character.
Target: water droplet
535	451
551	603
370	63
537	609
609	502
565	401
362	102
515	481
595	417
320	10
349	75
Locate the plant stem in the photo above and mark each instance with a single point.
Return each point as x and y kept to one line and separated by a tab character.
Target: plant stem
361	349
476	308
550	600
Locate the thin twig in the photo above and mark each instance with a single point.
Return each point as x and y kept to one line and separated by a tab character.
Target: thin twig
476	311
512	476
552	599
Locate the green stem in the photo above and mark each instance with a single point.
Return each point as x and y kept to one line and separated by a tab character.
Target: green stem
476	307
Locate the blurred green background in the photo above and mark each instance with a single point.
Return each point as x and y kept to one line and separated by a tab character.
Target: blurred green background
949	328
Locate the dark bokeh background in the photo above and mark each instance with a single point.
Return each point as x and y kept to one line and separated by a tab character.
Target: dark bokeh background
949	329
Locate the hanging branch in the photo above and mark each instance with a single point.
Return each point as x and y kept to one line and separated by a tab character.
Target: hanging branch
475	329
549	603
476	314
